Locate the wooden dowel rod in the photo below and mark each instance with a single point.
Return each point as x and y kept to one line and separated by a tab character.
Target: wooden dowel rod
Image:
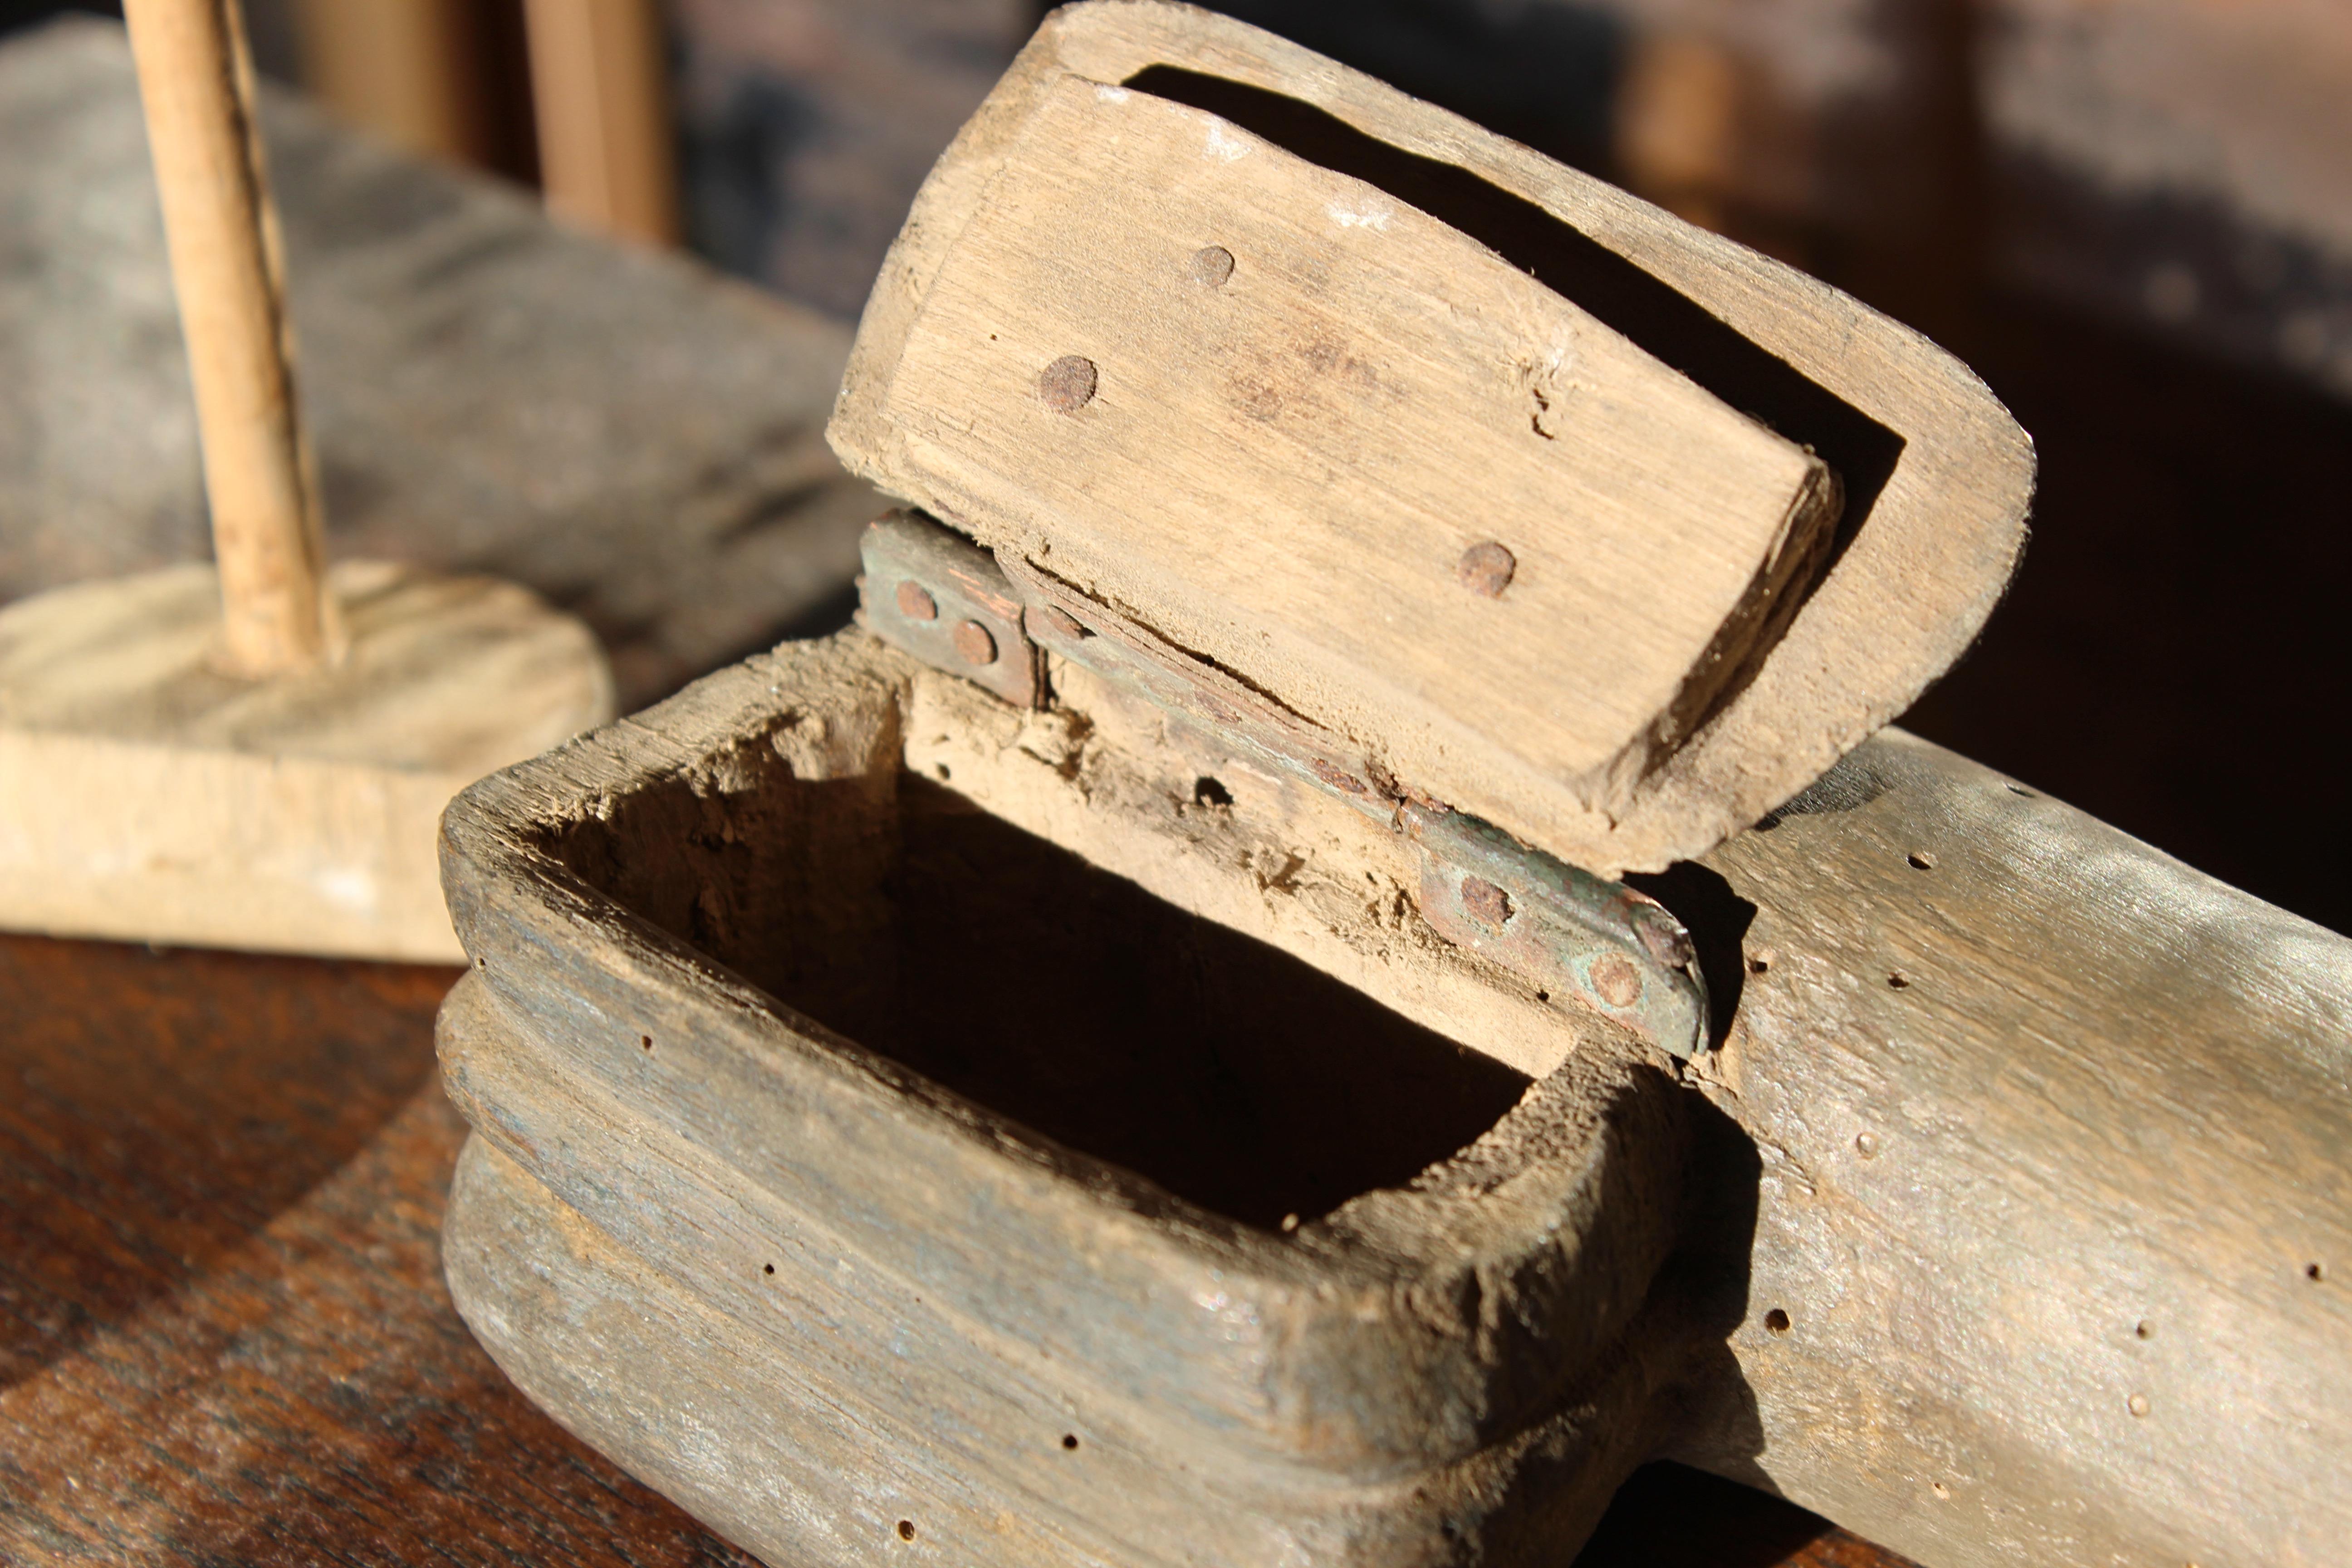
600	93
196	80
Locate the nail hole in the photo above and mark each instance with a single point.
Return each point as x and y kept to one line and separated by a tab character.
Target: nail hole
1209	792
1777	1320
1921	861
1939	1488
1069	1439
1758	963
2144	1330
906	1530
941	770
768	1269
1866	1145
2314	1272
1543	996
1900	981
646	1042
2136	1405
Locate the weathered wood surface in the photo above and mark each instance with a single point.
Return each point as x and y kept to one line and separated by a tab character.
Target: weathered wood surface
1986	1050
1937	477
1016	1345
635	440
2020	1221
146	794
1253	465
2051	1135
223	1331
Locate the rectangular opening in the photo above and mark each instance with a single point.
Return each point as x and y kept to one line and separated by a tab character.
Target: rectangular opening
1054	994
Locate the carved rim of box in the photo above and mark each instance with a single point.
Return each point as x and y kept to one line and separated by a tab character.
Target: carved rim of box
1501	1275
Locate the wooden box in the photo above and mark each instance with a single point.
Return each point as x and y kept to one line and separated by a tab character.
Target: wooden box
1142	1051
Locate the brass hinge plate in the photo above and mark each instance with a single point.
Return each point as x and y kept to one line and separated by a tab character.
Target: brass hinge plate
1583	941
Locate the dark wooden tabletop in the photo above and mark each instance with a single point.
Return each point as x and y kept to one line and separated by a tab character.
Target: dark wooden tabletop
223	1337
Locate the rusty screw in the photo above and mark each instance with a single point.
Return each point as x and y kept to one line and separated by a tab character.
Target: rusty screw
1487	569
1616	980
1212	265
974	642
1068	384
1486	904
916	602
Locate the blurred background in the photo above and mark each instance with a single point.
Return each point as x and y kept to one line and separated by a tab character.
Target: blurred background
2133	217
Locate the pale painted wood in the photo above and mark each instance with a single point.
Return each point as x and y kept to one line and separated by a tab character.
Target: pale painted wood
1902	598
228	269
145	794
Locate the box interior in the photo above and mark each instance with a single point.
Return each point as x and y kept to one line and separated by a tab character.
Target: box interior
1056	994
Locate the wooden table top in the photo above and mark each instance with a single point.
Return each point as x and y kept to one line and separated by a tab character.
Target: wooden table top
224	1336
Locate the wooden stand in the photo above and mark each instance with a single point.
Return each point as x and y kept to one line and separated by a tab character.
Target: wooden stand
257	758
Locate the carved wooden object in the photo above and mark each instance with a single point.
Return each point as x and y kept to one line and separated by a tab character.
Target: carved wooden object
2013	1260
1126	1056
1364	627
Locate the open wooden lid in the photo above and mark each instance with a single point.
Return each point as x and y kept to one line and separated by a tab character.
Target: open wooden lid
1545	504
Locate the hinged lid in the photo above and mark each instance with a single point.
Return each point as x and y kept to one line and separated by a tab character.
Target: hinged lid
1509	491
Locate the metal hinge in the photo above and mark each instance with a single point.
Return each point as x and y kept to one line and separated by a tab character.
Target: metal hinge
1582	940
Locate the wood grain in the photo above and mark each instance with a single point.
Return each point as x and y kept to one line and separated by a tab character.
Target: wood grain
1939	476
2020	1202
223	1331
2050	1134
229	268
1269	467
224	1336
144	794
